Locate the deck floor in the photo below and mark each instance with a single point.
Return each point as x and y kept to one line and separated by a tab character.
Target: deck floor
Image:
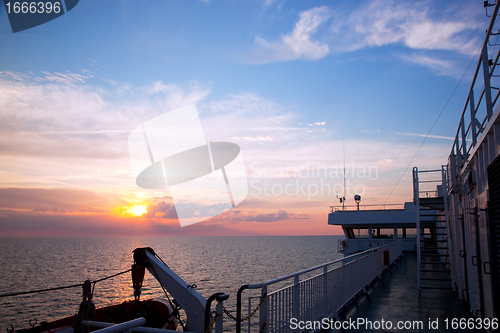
400	300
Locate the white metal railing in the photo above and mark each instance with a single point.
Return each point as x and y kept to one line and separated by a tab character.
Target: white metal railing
481	101
352	208
320	296
354	245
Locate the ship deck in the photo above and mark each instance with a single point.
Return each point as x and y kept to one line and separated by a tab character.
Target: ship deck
400	300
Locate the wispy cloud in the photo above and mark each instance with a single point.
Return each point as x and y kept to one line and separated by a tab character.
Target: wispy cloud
408	23
60	134
51	200
412	25
251	216
66	78
428	136
298	44
259	138
417	27
438	65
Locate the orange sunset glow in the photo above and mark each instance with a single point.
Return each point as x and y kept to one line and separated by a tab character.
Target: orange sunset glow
311	119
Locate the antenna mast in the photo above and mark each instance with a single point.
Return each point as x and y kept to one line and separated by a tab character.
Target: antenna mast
343	195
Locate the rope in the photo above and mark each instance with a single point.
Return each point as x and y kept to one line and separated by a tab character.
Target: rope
212	323
175	307
250	315
63	287
112	276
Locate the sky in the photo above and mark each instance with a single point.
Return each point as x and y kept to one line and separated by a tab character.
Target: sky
303	87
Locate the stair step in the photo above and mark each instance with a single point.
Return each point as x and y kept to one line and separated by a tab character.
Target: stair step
435	262
433	234
436	270
432	248
434	240
432	214
435	254
435	279
435	287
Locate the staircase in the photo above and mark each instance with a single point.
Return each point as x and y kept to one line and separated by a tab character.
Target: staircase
433	234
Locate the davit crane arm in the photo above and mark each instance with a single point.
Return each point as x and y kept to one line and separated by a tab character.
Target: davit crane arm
191	301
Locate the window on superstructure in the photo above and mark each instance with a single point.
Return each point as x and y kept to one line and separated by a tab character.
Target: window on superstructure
350	233
383	233
411	233
362	233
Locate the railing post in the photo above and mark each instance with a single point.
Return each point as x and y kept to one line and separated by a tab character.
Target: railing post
326	303
464	138
296	298
249	321
263	327
219	311
458	153
417	202
445	172
473	117
238	307
487	85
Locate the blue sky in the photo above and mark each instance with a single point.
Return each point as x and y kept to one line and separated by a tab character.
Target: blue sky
289	81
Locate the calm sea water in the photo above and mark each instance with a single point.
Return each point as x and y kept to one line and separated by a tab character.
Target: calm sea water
214	264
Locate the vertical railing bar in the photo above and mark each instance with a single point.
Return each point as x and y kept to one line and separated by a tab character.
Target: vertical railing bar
273	302
296	298
487	84
219	311
417	202
446	221
494	102
282	313
459	156
249	312
263	318
464	141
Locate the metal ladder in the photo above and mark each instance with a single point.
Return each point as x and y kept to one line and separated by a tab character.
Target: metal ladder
433	233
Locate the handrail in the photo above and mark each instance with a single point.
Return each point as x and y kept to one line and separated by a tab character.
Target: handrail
354	208
267	283
117	328
467	125
263	286
140	329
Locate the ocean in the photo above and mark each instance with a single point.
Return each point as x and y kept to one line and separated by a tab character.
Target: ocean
214	264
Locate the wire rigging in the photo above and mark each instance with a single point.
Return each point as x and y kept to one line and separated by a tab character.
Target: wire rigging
63	287
432	127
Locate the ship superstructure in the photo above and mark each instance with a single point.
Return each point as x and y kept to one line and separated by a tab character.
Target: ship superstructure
454	219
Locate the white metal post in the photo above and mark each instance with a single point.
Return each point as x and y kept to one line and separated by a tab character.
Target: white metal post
417	202
326	310
447	221
487	84
296	298
263	327
219	310
249	312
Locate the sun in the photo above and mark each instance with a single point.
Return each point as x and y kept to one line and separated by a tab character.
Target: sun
138	210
